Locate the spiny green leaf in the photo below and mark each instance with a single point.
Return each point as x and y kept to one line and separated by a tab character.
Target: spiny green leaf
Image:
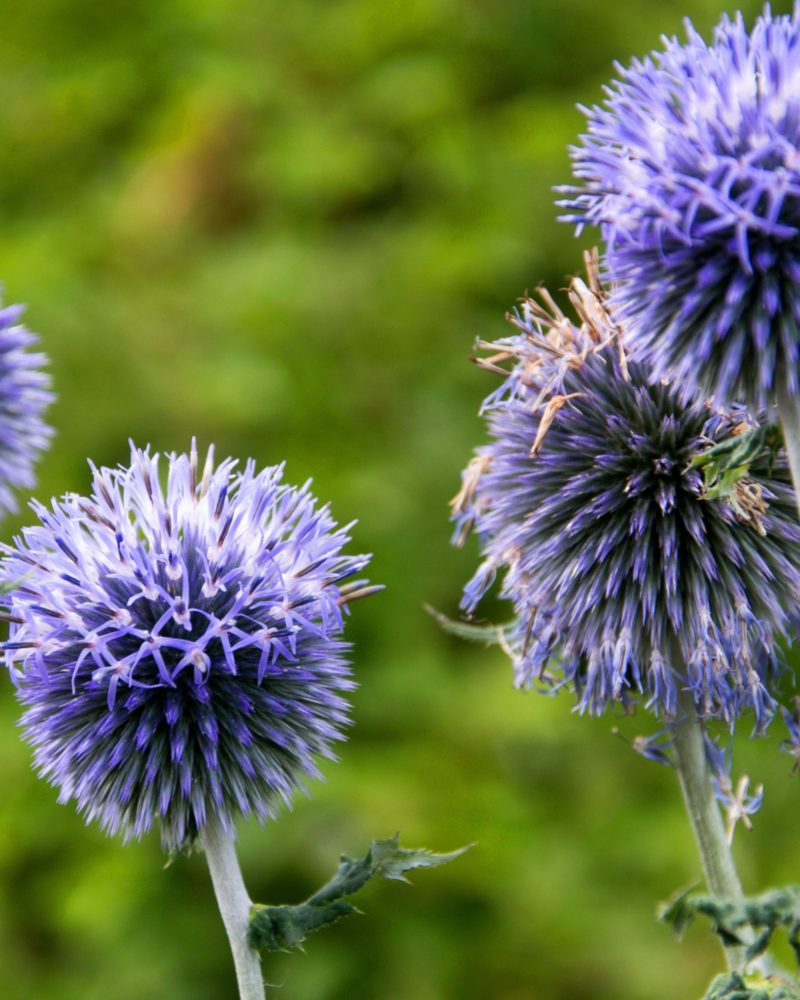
678	911
763	914
284	928
392	861
732	986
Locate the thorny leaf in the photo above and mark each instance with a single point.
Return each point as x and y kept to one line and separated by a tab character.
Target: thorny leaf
764	913
731	986
284	928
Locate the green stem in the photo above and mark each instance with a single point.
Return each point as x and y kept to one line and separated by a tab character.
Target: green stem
704	815
789	412
234	906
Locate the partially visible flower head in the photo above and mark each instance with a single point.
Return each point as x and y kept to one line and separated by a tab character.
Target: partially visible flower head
178	648
24	396
626	576
691	168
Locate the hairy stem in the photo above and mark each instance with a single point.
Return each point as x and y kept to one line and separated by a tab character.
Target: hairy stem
789	412
704	815
234	906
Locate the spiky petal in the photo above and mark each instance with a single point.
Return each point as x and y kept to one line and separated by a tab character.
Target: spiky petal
691	168
178	648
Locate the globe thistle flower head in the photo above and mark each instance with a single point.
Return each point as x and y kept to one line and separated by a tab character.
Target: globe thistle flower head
24	396
691	168
178	650
625	574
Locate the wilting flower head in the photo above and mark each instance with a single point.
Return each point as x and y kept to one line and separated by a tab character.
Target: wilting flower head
625	573
24	396
692	170
178	649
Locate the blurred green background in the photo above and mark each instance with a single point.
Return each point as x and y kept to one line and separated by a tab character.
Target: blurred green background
280	226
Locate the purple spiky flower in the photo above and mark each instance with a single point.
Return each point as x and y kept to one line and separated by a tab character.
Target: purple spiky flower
691	168
178	647
626	573
24	396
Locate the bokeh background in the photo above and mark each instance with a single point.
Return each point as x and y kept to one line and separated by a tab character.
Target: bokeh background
280	227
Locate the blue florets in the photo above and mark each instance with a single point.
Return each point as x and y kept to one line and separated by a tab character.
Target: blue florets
24	396
625	575
178	649
692	170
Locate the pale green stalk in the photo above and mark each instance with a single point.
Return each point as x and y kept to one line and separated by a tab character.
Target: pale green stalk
234	906
703	811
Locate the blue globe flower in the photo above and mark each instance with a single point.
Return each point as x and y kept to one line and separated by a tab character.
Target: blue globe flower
24	396
178	649
626	575
691	168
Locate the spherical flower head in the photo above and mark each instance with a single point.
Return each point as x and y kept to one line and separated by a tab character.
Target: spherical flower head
24	396
626	574
692	170
178	649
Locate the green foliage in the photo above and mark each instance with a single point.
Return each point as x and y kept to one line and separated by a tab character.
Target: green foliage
728	463
732	986
764	913
726	470
284	928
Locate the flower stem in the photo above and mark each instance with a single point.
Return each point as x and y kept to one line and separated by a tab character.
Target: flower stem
704	815
789	412
234	906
